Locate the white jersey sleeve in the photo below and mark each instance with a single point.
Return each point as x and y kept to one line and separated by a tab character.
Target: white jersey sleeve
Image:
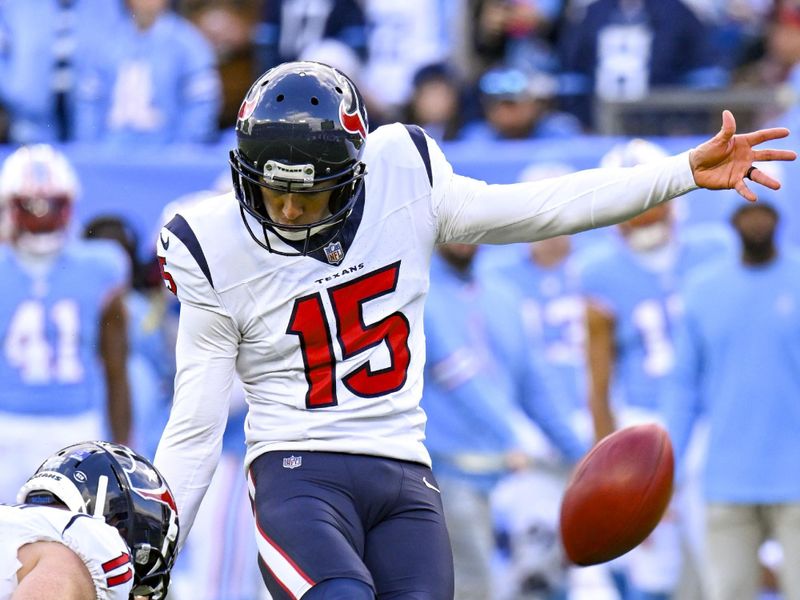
206	349
98	545
472	211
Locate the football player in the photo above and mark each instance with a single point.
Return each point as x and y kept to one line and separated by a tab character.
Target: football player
631	290
489	400
309	280
96	520
63	342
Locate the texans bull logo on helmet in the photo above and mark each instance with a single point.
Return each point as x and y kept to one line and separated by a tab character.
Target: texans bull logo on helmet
352	122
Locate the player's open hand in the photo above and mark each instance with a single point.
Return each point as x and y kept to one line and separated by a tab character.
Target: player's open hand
726	160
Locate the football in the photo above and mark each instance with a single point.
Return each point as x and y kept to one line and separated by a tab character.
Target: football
617	494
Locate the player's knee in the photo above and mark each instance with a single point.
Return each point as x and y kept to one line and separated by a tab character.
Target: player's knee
340	589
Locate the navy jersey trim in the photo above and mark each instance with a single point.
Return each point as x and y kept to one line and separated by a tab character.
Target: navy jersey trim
418	137
74	518
184	233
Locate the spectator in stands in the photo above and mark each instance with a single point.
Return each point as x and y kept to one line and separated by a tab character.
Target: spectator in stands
779	64
42	47
229	26
153	81
62	321
518	105
517	32
621	49
736	27
483	385
403	37
435	103
290	26
748	306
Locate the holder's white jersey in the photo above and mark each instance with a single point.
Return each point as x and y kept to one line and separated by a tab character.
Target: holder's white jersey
331	352
98	545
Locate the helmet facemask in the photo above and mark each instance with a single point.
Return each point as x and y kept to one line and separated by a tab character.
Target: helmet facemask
345	190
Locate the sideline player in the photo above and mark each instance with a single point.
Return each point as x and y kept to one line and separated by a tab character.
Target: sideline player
310	280
96	520
630	289
63	340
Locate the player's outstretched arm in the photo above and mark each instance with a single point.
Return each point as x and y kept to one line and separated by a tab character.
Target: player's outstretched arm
726	160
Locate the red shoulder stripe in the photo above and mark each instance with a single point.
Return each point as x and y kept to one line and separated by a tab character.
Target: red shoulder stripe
115	563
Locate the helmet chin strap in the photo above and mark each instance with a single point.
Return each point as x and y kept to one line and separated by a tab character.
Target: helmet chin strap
299	236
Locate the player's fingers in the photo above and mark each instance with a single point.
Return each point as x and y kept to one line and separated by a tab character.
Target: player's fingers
762	135
744	191
770	154
728	126
759	176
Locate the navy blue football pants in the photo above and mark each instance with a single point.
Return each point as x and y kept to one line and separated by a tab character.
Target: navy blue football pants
323	515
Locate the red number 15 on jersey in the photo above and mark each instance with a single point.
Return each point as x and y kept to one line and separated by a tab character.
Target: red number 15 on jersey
309	323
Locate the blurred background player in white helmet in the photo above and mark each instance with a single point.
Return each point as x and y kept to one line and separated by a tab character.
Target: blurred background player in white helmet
630	288
95	521
62	320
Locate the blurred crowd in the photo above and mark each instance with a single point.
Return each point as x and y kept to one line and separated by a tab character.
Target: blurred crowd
150	72
535	352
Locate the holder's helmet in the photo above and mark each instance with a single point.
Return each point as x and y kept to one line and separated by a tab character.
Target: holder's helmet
301	129
112	481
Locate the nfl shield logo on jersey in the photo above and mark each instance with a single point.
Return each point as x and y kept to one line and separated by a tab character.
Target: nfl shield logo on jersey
334	253
292	462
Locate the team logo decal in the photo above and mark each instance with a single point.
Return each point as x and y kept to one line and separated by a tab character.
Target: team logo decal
334	253
292	462
352	122
144	481
249	104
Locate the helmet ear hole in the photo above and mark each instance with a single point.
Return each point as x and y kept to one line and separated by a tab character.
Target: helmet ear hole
314	100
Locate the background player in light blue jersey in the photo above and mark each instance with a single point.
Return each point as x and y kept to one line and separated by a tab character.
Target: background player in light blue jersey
744	308
630	286
553	310
484	389
63	341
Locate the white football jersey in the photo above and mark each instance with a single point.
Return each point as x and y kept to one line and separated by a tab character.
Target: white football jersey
331	352
99	546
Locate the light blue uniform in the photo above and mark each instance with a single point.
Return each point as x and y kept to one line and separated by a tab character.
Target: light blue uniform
640	294
738	367
554	312
52	384
50	329
643	302
738	349
482	372
485	386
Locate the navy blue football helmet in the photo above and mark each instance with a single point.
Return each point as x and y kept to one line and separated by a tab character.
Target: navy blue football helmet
301	129
113	481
